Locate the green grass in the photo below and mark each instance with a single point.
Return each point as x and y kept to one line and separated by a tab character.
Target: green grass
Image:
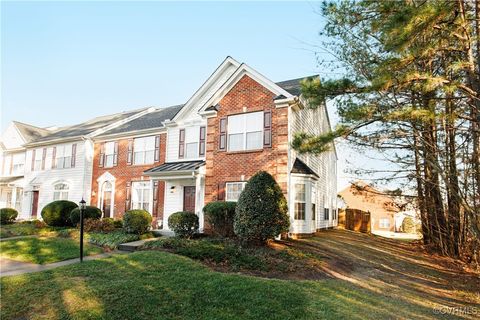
113	239
159	285
43	250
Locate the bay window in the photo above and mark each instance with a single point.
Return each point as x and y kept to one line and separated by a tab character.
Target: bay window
245	131
141	195
144	150
233	190
300	201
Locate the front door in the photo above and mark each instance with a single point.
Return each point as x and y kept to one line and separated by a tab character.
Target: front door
107	199
189	199
34	203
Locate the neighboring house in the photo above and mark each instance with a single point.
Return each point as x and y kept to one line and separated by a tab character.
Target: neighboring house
59	166
382	207
121	156
180	158
12	162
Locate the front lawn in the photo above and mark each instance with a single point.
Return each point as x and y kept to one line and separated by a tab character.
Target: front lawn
24	229
44	250
159	285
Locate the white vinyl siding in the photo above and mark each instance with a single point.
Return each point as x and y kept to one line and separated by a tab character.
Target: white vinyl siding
144	150
60	191
245	131
109	154
63	156
141	195
233	190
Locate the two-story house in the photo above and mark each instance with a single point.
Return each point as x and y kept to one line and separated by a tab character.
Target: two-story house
237	123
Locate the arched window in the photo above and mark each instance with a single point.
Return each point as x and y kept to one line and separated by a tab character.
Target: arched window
60	191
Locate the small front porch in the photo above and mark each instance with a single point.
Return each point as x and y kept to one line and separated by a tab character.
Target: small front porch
184	188
11	193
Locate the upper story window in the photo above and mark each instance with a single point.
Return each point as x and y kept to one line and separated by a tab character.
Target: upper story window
300	201
191	142
60	191
233	190
110	154
141	195
18	164
144	150
37	159
245	131
64	156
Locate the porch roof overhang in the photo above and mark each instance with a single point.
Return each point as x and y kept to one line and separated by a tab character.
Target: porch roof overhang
175	170
11	181
299	167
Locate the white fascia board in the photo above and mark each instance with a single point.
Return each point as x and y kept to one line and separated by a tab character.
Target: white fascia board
242	70
214	76
119	123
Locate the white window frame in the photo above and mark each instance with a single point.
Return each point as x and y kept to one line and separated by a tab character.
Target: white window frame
18	164
384	223
63	156
109	154
140	147
228	194
246	130
313	201
298	200
192	138
142	202
60	194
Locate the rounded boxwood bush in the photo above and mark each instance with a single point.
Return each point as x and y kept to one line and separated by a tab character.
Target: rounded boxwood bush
262	211
57	213
137	221
90	212
8	215
220	215
183	223
408	225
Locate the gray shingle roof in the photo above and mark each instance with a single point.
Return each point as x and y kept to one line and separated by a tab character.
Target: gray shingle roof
29	132
176	166
293	86
300	167
148	121
86	127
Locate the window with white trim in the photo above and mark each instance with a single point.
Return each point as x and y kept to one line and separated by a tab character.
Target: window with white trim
384	223
326	214
63	156
314	202
18	164
60	191
38	157
233	190
140	194
109	154
245	131
144	150
300	201
192	136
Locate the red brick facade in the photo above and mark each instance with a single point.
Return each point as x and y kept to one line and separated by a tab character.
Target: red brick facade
224	166
124	174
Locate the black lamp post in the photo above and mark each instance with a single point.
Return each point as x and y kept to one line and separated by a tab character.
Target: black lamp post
82	206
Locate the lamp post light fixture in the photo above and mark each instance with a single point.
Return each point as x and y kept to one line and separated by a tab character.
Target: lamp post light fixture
82	206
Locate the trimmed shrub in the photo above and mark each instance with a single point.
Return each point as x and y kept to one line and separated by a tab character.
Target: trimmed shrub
90	212
8	215
220	215
262	211
118	223
183	223
100	225
137	221
408	225
57	213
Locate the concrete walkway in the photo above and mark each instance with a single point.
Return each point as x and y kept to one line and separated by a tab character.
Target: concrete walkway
9	267
134	245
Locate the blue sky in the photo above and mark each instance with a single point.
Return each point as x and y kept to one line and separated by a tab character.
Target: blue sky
65	62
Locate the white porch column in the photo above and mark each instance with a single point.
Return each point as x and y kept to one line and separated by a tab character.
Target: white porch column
14	197
150	201
199	199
